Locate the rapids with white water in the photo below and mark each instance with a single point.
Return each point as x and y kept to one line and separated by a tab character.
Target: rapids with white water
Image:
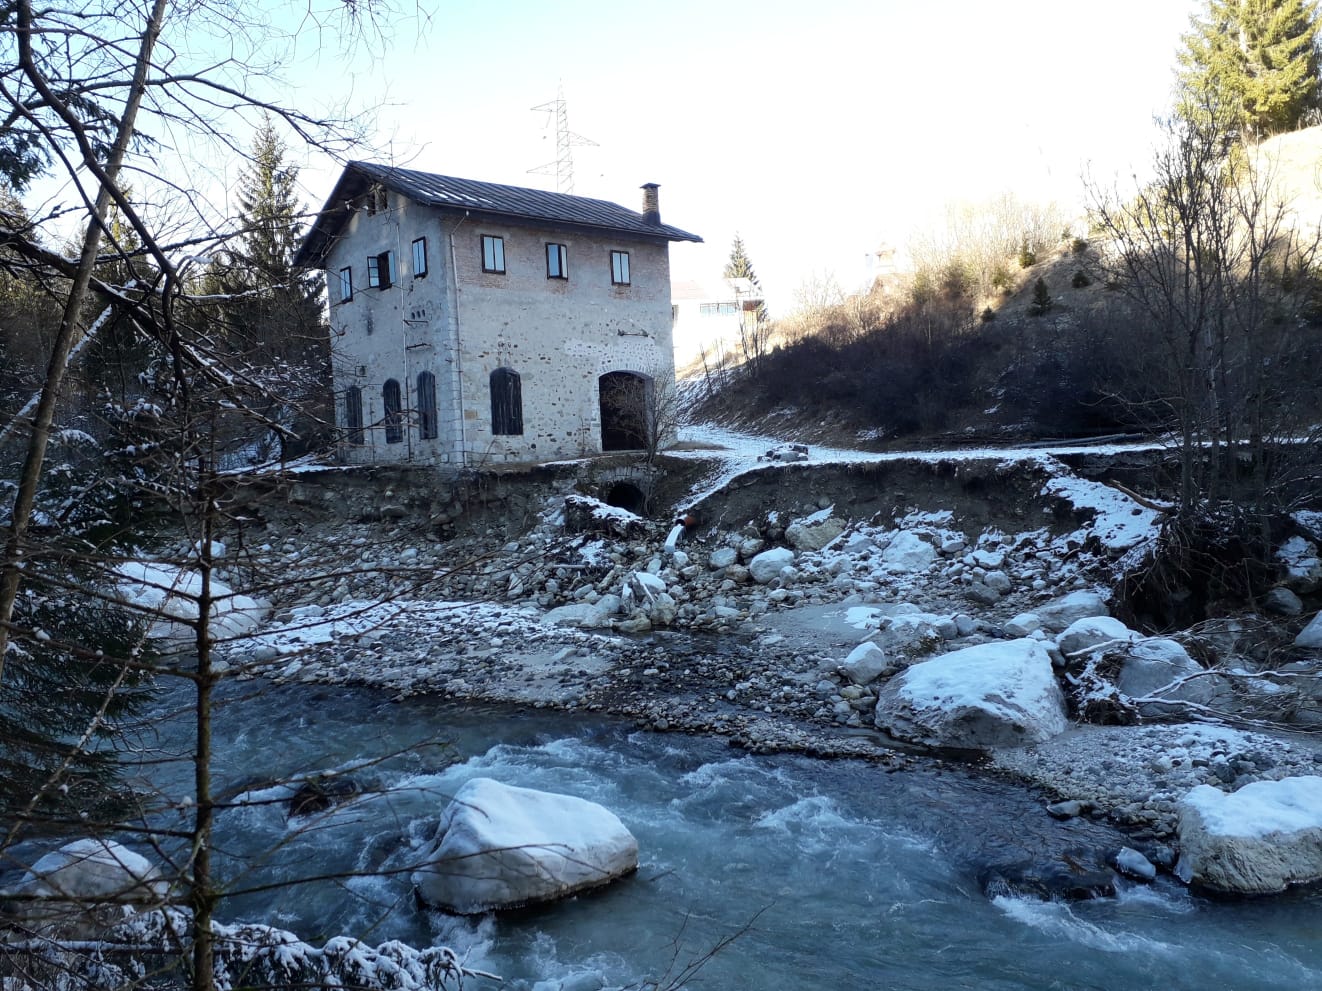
834	874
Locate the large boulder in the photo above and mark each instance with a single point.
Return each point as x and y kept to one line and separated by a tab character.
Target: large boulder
499	847
814	532
96	876
1152	668
992	695
866	663
1057	614
1259	840
767	566
1092	631
168	593
906	553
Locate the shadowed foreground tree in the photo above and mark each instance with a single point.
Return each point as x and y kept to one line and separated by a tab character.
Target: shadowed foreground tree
84	91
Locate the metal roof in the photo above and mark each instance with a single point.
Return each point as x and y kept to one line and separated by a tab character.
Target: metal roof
470	195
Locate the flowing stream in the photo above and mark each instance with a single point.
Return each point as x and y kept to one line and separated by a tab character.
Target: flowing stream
833	874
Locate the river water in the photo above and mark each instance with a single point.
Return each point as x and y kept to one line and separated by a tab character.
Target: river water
833	874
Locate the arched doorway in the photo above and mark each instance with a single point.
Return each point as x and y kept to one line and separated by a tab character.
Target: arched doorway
626	402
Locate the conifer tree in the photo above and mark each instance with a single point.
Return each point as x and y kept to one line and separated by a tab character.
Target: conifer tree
273	316
1041	303
740	266
282	305
1257	56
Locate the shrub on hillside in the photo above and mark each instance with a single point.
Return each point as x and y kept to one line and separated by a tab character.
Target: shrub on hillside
1042	302
1080	280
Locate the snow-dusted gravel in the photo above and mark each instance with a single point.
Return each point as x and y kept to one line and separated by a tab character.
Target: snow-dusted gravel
685	637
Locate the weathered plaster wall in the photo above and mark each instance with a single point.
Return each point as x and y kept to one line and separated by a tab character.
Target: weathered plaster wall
559	335
396	332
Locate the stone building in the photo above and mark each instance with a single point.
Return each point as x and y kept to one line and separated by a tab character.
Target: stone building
476	324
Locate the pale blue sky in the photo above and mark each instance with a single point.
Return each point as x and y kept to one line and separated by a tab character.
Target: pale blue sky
815	129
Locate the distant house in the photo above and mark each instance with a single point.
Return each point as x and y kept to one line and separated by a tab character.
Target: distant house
713	316
476	323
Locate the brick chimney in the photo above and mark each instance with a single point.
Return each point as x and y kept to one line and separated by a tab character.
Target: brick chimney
651	203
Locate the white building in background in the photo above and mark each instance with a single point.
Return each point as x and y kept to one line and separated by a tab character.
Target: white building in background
713	316
474	323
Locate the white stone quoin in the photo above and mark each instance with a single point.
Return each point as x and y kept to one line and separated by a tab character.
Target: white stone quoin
990	695
1258	840
498	846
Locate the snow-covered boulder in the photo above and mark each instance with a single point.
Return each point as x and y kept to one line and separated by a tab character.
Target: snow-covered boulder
814	532
1092	631
865	664
170	593
93	874
498	847
1057	614
766	567
1258	840
1310	637
1302	566
1023	624
906	553
991	695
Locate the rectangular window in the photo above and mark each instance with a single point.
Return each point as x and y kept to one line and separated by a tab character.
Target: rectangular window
556	258
381	270
420	258
346	284
493	254
557	262
619	268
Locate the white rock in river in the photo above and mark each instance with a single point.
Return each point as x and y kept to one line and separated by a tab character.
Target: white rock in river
94	874
766	567
1060	613
498	846
93	869
1256	841
991	695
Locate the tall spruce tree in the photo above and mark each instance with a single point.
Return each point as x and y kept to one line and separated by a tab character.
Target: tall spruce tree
273	314
740	266
1258	56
